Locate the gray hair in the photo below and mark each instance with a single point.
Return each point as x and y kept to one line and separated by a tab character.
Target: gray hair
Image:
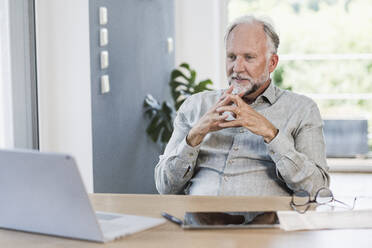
271	35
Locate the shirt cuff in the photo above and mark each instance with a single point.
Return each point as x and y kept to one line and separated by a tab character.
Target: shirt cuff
187	152
279	147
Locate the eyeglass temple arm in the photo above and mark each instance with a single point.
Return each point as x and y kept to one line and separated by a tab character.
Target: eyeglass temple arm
346	204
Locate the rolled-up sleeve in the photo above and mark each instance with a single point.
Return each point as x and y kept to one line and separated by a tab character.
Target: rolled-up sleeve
176	165
300	158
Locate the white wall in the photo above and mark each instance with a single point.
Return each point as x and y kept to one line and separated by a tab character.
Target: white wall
63	68
199	31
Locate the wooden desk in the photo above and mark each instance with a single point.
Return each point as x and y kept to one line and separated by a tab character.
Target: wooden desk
170	235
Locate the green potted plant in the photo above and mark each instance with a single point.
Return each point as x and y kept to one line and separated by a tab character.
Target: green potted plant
183	84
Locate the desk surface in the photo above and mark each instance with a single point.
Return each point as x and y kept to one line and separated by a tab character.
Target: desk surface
170	235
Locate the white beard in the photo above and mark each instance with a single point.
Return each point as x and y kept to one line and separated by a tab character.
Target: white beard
253	85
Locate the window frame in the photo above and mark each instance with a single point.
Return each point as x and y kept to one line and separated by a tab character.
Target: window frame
20	79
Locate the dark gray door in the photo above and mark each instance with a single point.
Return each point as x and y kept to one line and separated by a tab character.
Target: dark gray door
139	63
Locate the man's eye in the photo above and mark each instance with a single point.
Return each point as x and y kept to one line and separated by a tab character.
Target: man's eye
231	57
248	57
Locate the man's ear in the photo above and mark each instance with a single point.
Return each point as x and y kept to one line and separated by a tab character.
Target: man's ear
274	59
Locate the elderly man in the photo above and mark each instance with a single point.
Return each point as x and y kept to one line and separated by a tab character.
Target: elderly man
275	144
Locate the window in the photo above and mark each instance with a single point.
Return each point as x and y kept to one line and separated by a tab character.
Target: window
325	51
18	108
6	139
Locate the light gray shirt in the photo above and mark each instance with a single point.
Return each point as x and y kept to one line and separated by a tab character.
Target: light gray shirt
234	161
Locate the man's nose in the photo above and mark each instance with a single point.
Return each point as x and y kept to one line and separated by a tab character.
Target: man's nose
238	65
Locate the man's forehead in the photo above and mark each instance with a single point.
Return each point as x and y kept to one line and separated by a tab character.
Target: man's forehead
245	29
247	32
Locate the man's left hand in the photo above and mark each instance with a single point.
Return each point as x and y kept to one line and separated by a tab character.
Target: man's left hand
247	117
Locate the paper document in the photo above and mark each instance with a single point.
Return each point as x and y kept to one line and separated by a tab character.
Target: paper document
311	220
360	217
336	218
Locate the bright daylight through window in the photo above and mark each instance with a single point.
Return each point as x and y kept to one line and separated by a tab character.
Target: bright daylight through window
325	51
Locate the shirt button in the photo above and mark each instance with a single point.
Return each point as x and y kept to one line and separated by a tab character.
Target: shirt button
230	161
191	154
236	148
241	131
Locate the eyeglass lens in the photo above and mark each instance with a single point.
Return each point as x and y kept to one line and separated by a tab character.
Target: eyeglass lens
323	196
300	198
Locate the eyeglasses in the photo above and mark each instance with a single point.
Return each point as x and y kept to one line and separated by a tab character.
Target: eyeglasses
323	196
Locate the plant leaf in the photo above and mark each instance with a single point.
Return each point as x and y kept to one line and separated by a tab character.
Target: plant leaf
151	102
178	104
174	84
165	136
150	113
156	132
152	129
177	73
203	85
186	66
167	109
161	115
192	77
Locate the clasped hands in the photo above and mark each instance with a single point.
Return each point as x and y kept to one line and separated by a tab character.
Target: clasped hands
245	116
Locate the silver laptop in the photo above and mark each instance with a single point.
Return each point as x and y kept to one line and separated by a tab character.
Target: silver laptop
44	193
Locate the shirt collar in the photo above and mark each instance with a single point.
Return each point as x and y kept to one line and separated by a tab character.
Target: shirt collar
269	93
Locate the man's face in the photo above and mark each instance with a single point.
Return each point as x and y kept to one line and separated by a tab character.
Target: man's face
246	57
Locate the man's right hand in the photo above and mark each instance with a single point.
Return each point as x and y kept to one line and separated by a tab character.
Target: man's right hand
209	122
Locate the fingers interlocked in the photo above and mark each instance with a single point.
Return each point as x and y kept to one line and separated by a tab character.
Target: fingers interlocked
225	104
